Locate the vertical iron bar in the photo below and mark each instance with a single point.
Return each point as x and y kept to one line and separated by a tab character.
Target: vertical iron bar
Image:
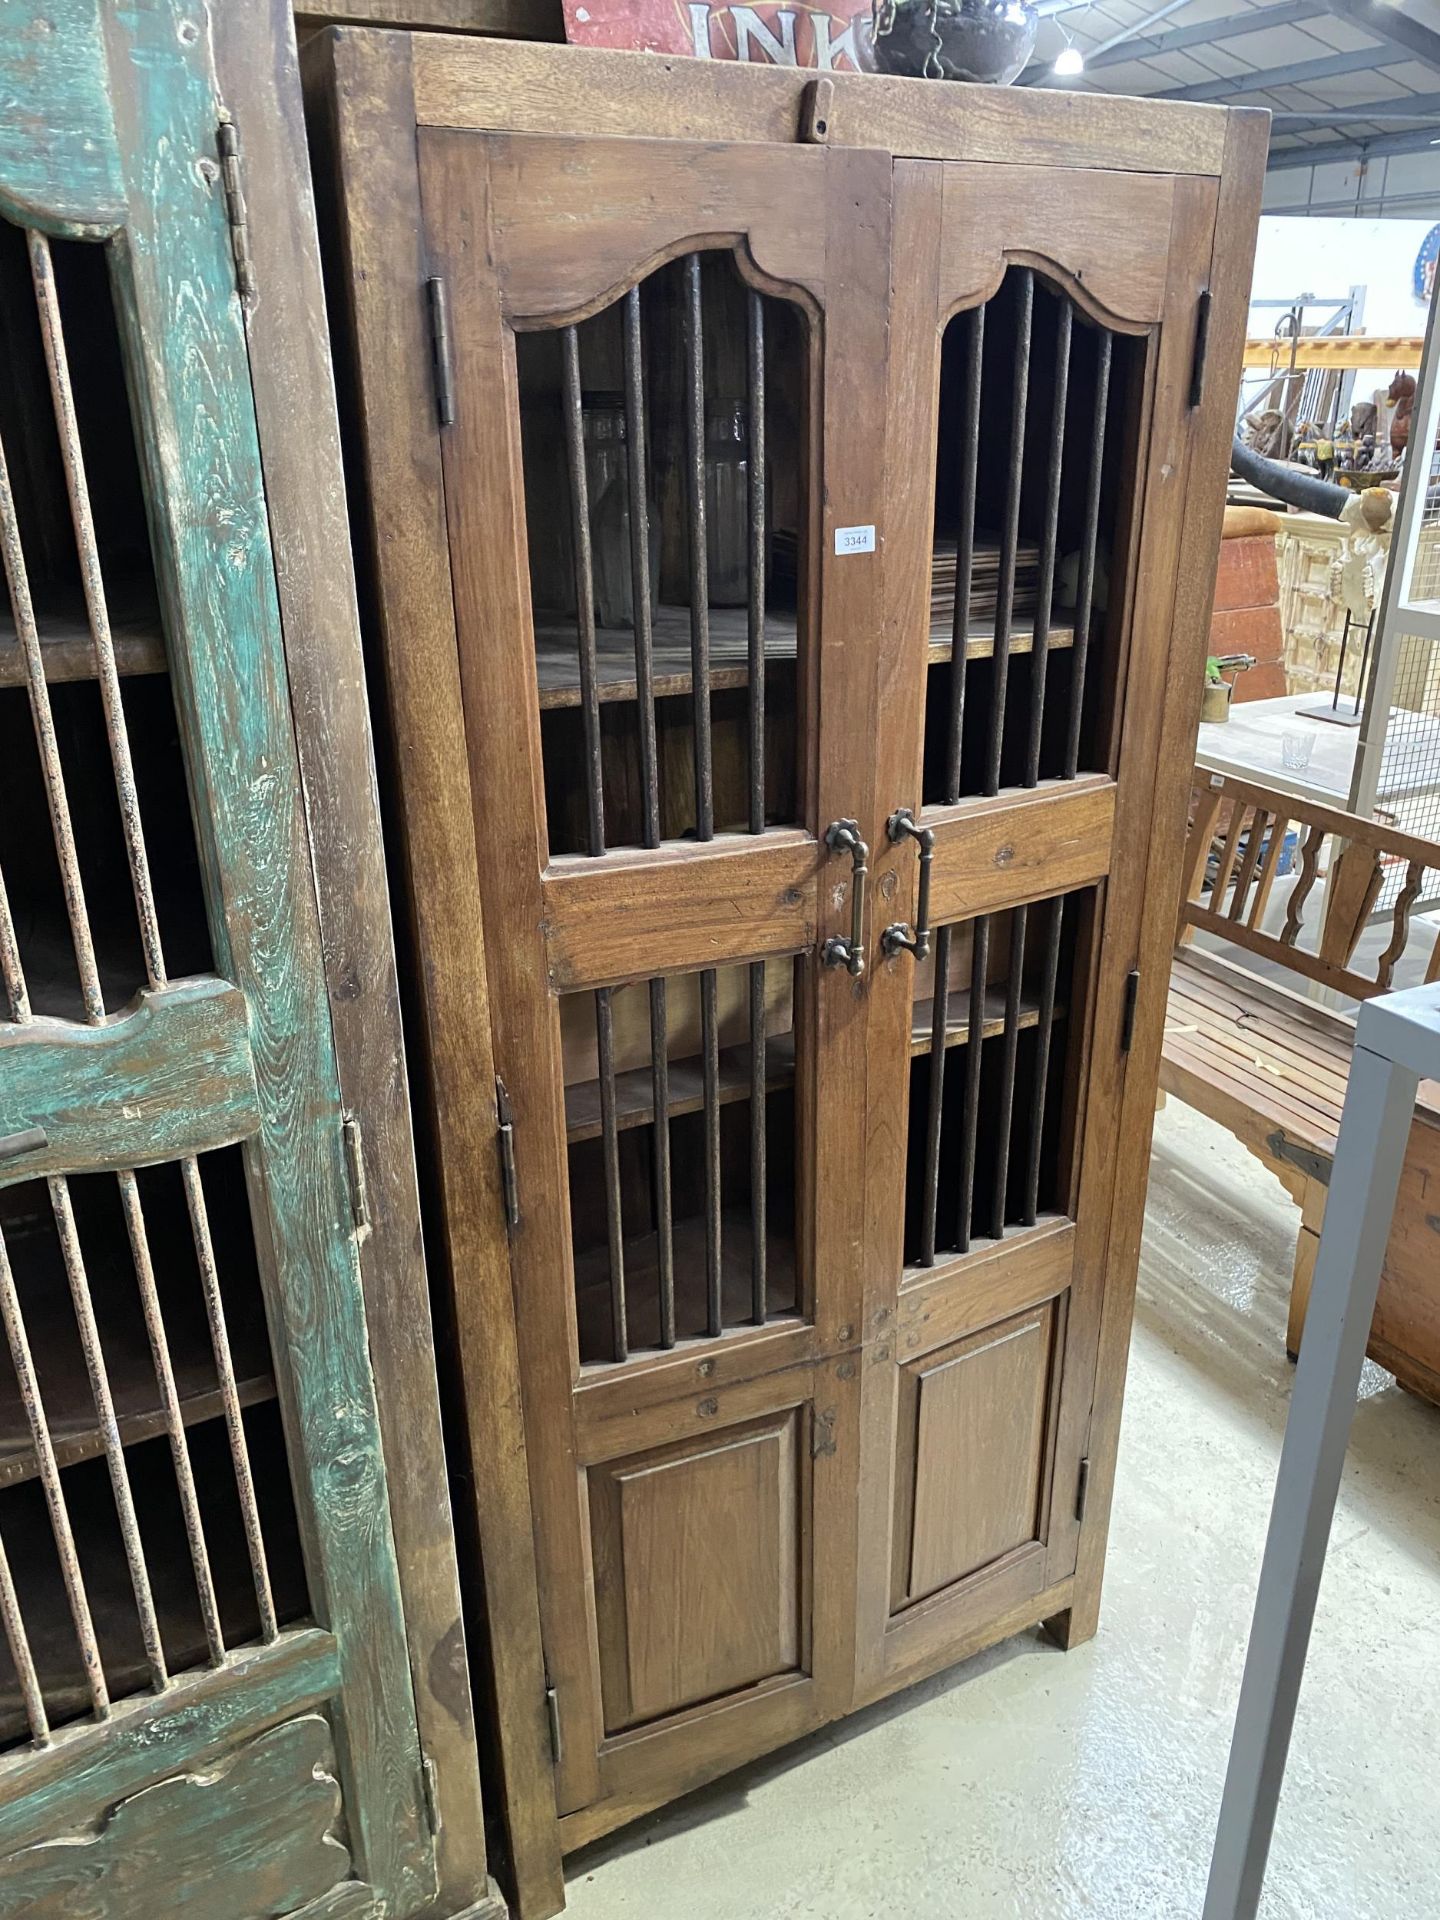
79	1604
1010	533
1019	918
584	585
174	1417
1085	582
975	1044
610	1138
710	1052
699	560
229	1396
1049	974
664	1223
636	471
1049	532
21	1658
939	1020
965	545
758	1220
12	974
755	409
109	1429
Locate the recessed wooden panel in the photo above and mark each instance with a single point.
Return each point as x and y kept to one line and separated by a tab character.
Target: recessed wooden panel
970	1479
698	1568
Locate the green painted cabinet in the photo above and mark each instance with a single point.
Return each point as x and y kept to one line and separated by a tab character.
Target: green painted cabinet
206	1697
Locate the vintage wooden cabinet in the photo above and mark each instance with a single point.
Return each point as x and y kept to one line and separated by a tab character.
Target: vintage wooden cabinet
792	511
218	1692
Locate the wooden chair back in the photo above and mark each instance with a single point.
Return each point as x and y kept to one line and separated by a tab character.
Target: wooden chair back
1236	848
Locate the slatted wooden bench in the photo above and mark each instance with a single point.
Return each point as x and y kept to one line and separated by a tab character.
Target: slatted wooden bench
1270	1064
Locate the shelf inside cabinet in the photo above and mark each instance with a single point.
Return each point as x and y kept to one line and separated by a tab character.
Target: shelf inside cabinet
634	1102
558	666
65	640
957	1021
980	639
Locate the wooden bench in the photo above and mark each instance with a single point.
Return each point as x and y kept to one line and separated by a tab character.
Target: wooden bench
1270	1064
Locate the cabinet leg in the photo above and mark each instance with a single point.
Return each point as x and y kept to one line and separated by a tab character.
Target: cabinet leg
1078	1623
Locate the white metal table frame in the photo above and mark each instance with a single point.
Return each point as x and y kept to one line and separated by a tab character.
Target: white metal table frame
1397	1044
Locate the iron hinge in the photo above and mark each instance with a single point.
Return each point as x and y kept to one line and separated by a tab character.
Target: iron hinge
505	1132
1202	347
441	352
1132	997
432	1800
552	1721
227	140
1082	1488
355	1177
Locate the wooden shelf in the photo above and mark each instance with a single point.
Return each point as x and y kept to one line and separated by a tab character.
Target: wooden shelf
634	1106
65	641
980	640
957	1018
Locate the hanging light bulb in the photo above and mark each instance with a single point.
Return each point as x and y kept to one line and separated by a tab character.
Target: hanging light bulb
1068	62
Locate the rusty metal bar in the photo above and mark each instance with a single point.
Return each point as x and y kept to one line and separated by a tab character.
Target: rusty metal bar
694	342
21	1657
1049	534
610	1143
584	586
965	545
1019	919
1010	532
174	1415
935	1097
759	1305
710	1073
664	1221
49	1472
1085	582
975	1046
755	408
1044	1027
229	1395
635	469
12	974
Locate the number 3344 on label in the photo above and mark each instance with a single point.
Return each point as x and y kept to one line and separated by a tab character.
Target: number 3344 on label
854	539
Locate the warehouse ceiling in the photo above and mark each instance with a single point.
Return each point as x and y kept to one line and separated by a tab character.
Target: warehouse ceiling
1345	79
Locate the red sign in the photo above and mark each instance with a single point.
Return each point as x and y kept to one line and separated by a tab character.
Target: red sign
770	34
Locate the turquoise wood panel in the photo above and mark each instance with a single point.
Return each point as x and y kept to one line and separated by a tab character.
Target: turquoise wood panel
187	370
172	1077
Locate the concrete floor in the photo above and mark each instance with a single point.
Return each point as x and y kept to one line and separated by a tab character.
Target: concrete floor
1040	1785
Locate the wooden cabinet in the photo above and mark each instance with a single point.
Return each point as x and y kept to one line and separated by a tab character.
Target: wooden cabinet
789	946
206	1691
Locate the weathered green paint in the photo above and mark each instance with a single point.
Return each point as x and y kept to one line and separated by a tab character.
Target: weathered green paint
173	1076
59	159
198	1718
189	379
251	1836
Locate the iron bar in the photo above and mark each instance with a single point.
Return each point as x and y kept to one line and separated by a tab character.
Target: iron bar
610	1139
635	468
975	1043
755	498
694	342
21	1657
1044	1027
935	1097
1085	579
584	586
965	545
1049	534
12	974
1019	919
710	1070
664	1222
758	1221
1010	532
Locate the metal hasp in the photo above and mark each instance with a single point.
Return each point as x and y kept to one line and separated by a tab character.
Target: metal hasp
843	836
1397	1043
896	937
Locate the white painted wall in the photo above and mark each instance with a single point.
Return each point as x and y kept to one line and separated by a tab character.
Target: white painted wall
1327	257
1399	185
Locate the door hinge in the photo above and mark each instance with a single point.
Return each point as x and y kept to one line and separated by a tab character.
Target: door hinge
552	1721
355	1177
506	1134
441	352
1202	347
1082	1488
432	1801
1127	1021
227	140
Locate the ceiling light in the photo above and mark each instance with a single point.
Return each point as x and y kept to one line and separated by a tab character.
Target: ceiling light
1069	61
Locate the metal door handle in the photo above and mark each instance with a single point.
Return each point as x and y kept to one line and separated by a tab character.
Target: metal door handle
896	937
28	1140
843	836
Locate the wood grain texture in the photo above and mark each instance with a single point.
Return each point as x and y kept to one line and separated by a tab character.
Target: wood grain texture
990	854
52	85
519	19
300	456
517	88
252	1837
174	1076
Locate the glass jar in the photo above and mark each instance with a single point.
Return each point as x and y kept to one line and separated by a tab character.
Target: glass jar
727	502
607	485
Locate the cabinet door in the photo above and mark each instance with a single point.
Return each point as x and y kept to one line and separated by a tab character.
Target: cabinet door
1041	427
206	1701
669	676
